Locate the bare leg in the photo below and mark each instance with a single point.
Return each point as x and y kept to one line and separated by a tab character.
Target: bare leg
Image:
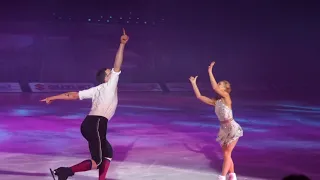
227	161
231	170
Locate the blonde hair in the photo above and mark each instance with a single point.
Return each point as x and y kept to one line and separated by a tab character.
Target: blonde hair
227	85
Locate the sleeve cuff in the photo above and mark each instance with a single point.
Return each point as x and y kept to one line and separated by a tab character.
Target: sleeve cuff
80	95
116	73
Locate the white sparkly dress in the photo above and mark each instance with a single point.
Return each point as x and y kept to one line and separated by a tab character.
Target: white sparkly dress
230	130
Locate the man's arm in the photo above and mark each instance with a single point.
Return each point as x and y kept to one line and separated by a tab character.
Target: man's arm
64	96
84	94
119	56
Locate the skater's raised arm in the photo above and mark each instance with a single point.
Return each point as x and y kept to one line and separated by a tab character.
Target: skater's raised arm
214	83
119	56
113	75
196	90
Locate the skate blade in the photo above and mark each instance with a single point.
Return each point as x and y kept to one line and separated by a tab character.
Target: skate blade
52	173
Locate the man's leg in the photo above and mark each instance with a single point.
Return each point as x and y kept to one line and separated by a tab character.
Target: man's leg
90	130
107	157
64	172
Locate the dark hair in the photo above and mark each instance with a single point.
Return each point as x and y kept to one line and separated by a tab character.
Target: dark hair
296	177
101	75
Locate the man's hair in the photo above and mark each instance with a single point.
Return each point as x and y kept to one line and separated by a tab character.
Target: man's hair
101	75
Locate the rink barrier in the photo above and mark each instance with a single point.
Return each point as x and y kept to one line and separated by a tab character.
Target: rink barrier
58	87
38	87
66	87
10	87
187	87
139	87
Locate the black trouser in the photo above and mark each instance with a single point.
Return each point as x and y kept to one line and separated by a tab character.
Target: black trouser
94	129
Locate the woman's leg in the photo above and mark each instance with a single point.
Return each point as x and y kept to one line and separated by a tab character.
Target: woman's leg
227	160
231	170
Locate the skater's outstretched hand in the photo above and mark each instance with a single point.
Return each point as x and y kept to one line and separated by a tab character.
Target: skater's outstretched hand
47	100
65	96
193	79
124	38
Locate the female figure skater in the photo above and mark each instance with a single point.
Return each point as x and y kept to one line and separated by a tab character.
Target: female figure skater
230	130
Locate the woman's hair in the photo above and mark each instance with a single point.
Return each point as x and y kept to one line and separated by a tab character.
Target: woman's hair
227	86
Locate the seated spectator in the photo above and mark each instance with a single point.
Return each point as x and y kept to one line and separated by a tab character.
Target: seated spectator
296	177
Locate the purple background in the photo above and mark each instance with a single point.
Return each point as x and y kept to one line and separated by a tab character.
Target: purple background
254	43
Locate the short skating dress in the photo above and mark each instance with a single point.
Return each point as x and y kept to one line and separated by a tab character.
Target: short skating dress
230	130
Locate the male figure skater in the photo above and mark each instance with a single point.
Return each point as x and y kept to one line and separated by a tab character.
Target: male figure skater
94	127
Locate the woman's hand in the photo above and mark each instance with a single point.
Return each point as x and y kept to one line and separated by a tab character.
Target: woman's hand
211	66
193	79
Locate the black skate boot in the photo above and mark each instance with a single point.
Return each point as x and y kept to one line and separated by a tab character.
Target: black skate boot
63	173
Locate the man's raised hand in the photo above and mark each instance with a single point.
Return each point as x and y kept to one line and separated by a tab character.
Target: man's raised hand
124	38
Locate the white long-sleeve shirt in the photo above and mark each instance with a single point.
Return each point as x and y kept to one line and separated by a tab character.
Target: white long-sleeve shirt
104	97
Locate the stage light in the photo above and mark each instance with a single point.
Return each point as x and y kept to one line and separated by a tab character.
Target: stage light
109	19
